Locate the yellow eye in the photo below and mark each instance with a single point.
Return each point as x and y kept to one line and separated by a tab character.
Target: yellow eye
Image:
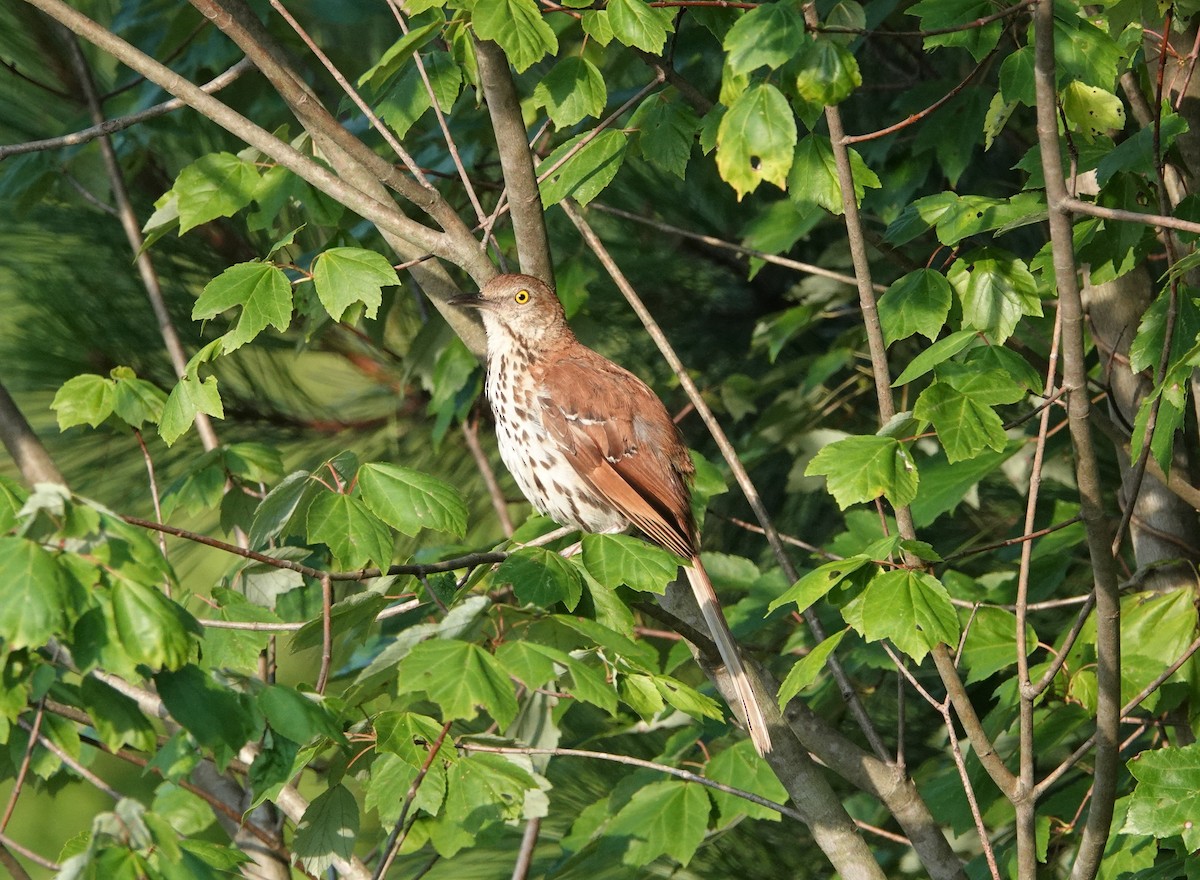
522	297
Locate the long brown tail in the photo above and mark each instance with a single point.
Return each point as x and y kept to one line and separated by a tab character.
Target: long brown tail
706	598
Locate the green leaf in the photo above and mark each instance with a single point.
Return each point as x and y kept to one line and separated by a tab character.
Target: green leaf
405	101
943	14
344	276
805	671
1092	111
1147	348
756	140
640	26
219	718
687	700
940	352
911	608
297	716
959	404
996	289
859	469
400	54
945	485
767	35
263	292
35	594
83	400
828	74
813	179
1016	77
518	27
484	787
573	90
919	216
328	830
409	500
739	766
541	577
915	303
1166	800
459	677
587	684
665	818
216	185
818	582
972	215
353	534
586	173
390	774
136	401
666	129
153	629
116	717
614	560
275	511
991	643
189	397
596	25
445	79
398	732
526	664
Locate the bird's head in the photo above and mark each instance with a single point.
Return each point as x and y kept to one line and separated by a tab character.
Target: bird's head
518	308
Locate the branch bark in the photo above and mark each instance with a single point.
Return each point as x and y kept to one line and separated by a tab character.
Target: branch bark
516	162
1099	538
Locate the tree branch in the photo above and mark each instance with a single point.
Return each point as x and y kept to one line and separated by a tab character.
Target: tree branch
1099	539
119	123
516	161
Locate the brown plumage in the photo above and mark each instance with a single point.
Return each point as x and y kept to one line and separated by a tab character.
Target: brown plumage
591	446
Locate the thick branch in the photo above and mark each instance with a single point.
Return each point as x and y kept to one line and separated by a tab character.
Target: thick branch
516	161
23	444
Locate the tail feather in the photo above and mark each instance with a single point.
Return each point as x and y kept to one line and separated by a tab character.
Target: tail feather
706	598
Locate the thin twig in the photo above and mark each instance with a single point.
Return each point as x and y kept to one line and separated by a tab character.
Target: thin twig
1009	542
365	574
528	843
921	114
1077	206
969	790
90	777
470	432
1087	744
34	857
326	634
23	770
686	775
394	840
413	168
109	126
713	241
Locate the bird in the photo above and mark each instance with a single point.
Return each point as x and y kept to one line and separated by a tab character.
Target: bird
592	447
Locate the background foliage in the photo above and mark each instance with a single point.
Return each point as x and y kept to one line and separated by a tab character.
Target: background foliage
928	271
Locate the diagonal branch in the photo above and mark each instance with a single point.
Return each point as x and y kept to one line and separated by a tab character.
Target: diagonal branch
516	161
119	123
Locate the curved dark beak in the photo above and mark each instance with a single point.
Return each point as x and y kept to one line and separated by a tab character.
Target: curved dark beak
468	301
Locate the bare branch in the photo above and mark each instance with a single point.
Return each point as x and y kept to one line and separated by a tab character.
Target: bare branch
119	123
1099	538
516	161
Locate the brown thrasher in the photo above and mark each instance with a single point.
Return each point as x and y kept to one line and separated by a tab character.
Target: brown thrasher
591	446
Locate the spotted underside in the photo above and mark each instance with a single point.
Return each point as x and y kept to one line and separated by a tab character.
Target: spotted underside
592	472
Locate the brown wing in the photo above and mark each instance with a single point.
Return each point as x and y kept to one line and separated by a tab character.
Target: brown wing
617	435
